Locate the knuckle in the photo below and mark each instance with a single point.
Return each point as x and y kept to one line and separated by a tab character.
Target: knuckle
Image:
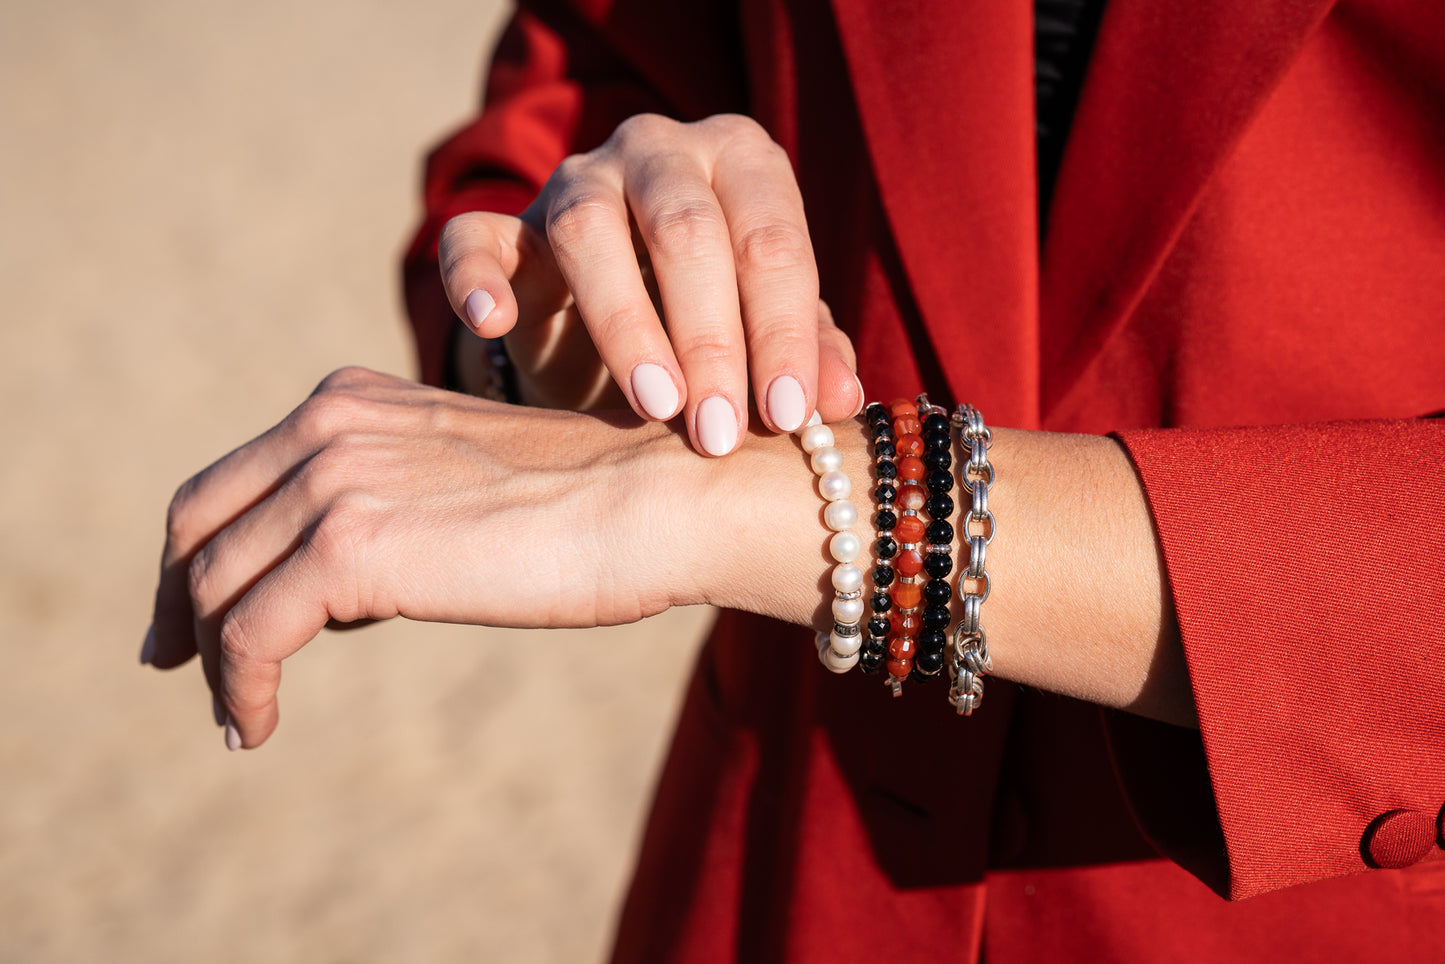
707	350
350	377
737	127
200	579
641	130
236	644
771	245
335	409
577	214
178	514
684	229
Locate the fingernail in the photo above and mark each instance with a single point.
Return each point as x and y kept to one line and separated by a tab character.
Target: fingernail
717	425
479	305
218	711
233	735
861	395
654	390
787	406
148	648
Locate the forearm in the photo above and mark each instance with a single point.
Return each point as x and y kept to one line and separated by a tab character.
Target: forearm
1079	602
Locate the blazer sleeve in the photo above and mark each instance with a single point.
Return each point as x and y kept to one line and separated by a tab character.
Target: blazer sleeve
1305	566
563	76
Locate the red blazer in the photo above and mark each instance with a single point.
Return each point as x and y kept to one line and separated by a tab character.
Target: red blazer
1248	230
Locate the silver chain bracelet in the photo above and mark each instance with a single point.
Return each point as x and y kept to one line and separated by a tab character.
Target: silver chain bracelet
970	662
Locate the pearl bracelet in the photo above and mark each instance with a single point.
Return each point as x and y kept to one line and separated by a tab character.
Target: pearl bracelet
837	649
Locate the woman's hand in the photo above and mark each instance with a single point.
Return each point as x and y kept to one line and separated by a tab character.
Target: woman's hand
675	257
378	497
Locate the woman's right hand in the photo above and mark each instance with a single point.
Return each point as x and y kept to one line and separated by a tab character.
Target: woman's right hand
674	258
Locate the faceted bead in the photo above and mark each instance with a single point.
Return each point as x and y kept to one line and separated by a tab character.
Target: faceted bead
877	643
937	593
909	445
885	493
883	431
932	640
936	564
934	422
940	532
870	663
884	448
904	623
937	459
911	468
906	595
910	528
911	497
929	663
882	574
902	406
939	480
902	647
940	506
881	601
878	626
899	668
874	411
907	425
886	547
935	617
909	562
884	520
887	470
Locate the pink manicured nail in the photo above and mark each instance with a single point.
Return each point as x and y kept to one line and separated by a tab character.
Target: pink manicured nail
233	735
655	392
717	425
787	406
479	305
148	648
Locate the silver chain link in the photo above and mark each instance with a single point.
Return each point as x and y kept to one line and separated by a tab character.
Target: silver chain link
970	662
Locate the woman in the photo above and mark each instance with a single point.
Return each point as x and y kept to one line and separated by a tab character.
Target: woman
1244	230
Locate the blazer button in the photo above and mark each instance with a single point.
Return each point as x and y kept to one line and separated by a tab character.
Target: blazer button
1398	838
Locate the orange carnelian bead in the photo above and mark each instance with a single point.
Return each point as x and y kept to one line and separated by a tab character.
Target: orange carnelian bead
902	406
900	668
908	445
911	497
910	469
905	625
909	562
902	648
909	529
906	595
907	425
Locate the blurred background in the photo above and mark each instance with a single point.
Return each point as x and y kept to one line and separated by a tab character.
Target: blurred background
202	207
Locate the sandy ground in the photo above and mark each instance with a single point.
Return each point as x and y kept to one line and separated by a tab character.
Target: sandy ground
201	206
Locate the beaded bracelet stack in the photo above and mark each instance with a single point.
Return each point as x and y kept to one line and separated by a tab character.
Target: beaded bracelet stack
906	632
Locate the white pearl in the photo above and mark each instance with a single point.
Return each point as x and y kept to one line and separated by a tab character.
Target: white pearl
815	437
840	515
837	663
835	485
846	645
845	546
820	642
814	419
847	578
827	459
848	610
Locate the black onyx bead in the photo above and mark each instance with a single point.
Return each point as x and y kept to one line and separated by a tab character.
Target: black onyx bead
936	592
937	564
885	493
871	663
932	641
884	520
934	422
887	470
939	533
886	547
935	617
875	412
940	506
929	663
878	626
884	449
875	644
938	480
882	575
937	458
882	602
933	443
882	431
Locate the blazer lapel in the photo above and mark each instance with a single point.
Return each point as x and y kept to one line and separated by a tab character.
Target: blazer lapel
945	93
1170	89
